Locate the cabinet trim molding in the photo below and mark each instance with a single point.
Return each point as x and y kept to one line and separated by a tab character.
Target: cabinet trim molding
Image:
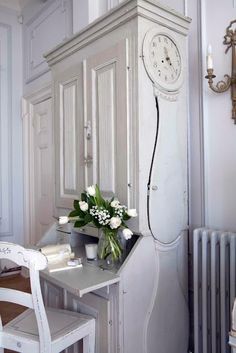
123	13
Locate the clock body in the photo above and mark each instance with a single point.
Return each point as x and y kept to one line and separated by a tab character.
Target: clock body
164	78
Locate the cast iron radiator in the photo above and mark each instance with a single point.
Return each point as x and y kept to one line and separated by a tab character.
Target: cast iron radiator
214	259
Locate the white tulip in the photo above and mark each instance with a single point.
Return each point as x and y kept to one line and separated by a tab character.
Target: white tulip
63	220
83	206
115	222
91	190
115	203
127	233
132	212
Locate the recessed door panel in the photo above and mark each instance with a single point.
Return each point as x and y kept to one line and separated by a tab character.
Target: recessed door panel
107	109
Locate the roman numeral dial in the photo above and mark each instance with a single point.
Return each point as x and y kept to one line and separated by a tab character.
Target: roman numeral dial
165	58
163	61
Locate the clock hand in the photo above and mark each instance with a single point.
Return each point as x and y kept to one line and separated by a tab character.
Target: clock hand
167	56
170	63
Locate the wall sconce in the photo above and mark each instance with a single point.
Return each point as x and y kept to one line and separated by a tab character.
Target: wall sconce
223	85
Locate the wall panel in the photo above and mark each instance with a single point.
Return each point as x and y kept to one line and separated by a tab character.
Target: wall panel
11	185
6	217
43	31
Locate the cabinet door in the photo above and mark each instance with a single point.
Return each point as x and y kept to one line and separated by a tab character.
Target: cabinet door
99	308
107	114
42	184
52	295
68	129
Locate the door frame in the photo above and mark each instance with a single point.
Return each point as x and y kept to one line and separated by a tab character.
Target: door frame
28	104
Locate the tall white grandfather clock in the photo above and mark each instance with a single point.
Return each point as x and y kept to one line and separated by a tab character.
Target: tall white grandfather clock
120	118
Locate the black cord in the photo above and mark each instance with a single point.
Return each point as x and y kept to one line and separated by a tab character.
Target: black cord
151	167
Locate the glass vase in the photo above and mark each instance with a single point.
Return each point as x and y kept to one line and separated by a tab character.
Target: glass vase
109	246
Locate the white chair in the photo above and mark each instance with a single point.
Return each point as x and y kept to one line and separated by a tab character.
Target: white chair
40	329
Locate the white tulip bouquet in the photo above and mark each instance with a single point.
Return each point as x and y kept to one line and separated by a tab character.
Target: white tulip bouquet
109	215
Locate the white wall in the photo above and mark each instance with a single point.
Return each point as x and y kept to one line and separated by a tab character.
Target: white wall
45	25
219	130
213	134
11	180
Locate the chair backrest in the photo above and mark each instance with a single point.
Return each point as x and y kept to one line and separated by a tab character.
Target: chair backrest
35	261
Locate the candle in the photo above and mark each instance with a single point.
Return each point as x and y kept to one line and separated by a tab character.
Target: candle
91	251
209	57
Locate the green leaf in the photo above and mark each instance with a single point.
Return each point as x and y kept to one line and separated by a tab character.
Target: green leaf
79	224
74	213
96	223
88	218
91	202
126	217
111	210
76	205
98	196
84	197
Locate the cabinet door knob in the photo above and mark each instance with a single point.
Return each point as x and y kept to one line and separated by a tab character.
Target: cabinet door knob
88	160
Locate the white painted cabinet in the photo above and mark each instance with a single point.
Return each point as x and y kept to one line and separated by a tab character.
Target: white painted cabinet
90	124
99	305
123	124
52	294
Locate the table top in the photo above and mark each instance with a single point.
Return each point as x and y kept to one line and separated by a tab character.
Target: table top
82	280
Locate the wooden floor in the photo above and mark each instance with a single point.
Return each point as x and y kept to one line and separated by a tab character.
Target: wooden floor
9	311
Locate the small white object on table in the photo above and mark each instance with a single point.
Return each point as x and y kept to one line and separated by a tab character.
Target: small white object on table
91	251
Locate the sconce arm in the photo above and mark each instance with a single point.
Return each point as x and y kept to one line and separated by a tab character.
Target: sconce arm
221	86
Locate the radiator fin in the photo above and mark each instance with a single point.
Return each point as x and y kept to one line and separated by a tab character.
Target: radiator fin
214	254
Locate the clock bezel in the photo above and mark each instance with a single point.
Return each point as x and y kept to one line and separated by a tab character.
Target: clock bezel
166	87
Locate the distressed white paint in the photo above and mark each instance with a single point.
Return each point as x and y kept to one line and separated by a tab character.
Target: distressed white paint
39	329
106	128
117	87
110	302
108	106
68	135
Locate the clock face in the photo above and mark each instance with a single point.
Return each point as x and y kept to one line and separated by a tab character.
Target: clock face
165	59
162	59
